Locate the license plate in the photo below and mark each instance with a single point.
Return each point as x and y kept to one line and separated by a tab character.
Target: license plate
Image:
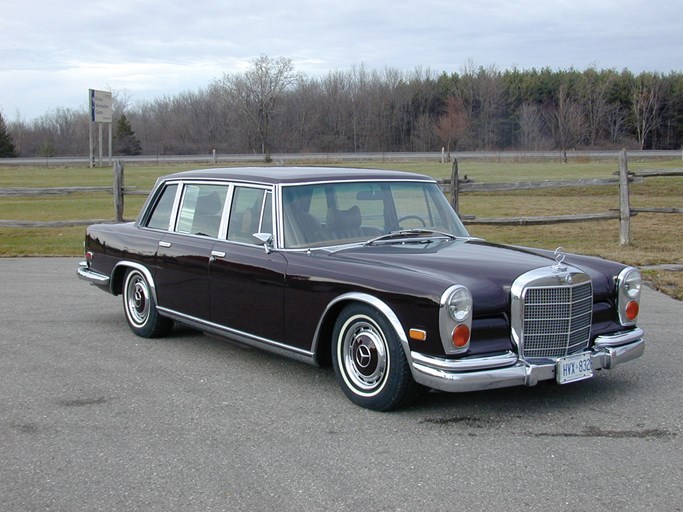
573	368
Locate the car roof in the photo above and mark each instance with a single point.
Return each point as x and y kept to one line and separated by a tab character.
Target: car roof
296	175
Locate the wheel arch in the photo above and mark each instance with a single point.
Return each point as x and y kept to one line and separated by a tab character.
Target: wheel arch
119	273
323	337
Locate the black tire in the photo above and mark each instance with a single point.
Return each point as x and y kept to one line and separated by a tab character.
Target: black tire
369	361
140	307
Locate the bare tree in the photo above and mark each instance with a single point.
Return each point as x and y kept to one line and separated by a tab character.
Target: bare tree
616	124
335	126
490	101
268	108
256	94
567	120
532	132
646	96
423	136
453	124
466	91
594	97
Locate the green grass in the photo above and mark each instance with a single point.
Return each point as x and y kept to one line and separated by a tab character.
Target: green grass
656	238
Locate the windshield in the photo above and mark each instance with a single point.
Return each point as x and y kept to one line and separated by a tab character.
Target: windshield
329	214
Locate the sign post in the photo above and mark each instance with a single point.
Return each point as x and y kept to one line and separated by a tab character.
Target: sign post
101	112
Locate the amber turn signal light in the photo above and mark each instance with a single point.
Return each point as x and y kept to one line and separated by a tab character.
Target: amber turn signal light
417	334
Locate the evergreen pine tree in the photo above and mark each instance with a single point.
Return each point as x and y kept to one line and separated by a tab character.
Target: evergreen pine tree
7	148
125	141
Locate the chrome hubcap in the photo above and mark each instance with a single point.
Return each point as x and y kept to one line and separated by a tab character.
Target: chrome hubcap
364	353
138	300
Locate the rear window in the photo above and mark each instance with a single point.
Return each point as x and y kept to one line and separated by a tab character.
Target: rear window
161	215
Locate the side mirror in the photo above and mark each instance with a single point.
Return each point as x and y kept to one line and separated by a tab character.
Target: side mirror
264	239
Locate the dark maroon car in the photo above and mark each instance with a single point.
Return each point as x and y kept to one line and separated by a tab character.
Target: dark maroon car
371	271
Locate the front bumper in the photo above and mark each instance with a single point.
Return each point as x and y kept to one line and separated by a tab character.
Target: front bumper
505	370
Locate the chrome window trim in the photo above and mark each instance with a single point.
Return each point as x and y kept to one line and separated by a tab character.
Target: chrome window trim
225	214
223	235
152	199
179	198
279	242
352	180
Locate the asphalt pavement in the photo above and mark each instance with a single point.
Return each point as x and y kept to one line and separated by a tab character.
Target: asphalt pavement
94	418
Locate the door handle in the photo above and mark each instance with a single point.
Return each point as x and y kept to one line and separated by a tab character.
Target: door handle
216	254
164	244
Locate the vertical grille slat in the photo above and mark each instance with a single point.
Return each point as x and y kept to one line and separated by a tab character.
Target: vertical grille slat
556	320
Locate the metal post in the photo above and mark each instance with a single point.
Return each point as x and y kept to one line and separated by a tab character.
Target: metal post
99	127
91	162
109	125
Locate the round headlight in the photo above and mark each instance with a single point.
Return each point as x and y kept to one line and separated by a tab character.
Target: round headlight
460	304
632	284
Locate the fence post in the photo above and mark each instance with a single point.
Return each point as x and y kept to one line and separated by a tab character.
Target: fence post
118	191
624	206
455	203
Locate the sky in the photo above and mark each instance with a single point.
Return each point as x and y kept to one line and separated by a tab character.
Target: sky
52	52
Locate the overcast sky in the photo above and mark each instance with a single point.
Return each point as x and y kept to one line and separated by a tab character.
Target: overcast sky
52	52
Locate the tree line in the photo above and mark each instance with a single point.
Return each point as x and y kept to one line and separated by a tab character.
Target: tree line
272	108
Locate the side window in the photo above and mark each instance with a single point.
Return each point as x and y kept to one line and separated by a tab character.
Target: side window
161	215
201	208
267	215
245	214
366	197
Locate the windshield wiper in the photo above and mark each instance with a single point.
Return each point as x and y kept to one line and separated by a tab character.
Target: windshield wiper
410	233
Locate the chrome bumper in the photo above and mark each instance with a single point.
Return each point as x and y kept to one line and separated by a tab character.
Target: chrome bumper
500	371
85	273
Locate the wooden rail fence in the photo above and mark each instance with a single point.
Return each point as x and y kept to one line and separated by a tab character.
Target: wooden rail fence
455	186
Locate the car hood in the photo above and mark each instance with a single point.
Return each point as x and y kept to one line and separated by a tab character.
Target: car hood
487	269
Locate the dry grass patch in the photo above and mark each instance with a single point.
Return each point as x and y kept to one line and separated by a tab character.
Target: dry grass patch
656	238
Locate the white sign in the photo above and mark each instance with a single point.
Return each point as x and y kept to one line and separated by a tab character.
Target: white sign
101	106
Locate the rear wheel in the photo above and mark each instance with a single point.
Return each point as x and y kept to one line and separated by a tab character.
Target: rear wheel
369	361
140	307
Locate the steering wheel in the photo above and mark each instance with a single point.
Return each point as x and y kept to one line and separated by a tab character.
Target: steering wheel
397	224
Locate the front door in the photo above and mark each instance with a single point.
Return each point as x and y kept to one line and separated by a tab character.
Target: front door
247	284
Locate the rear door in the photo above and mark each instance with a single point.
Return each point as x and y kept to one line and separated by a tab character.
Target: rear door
183	254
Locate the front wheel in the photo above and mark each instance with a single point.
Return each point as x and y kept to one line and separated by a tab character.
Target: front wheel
140	307
369	361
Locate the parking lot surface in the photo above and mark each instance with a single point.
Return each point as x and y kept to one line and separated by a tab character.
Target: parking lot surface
94	418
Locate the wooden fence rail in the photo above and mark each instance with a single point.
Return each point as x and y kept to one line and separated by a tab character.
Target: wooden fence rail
455	186
537	185
63	191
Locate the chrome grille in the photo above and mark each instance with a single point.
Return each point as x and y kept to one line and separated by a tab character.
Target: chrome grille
557	320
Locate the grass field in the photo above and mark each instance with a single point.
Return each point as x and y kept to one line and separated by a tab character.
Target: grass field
656	238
